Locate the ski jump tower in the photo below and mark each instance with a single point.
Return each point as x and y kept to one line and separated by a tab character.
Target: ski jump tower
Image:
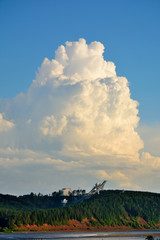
96	189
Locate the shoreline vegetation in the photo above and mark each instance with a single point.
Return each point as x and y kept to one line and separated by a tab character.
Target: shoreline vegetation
76	226
111	210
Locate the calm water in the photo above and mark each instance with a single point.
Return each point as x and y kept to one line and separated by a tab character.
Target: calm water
79	235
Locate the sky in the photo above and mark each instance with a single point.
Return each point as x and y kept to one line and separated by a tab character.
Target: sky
79	95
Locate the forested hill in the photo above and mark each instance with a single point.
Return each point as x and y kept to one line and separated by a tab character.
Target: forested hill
109	208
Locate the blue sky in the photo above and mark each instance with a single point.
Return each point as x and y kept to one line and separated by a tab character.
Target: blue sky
32	30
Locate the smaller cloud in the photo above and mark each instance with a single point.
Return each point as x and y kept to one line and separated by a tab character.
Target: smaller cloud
117	177
120	178
150	161
5	125
101	174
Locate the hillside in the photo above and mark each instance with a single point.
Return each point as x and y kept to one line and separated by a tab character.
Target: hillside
109	209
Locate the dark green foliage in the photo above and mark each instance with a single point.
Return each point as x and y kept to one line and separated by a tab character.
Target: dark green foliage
109	208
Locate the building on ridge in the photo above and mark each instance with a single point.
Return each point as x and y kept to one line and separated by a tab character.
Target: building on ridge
65	192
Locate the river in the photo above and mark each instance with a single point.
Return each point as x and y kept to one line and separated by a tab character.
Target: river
130	235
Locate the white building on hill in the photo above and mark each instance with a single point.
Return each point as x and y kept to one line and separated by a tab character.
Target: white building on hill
65	191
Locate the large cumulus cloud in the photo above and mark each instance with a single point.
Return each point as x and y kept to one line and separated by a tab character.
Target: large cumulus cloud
78	114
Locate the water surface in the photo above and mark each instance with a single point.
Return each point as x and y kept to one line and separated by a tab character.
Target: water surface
127	235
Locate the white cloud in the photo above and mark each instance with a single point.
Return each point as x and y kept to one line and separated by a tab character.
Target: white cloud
79	101
78	117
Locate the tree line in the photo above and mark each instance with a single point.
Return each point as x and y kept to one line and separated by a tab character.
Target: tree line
112	207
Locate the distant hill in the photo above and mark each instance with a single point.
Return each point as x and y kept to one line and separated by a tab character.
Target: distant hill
112	208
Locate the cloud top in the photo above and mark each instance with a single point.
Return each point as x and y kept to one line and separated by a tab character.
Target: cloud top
75	62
